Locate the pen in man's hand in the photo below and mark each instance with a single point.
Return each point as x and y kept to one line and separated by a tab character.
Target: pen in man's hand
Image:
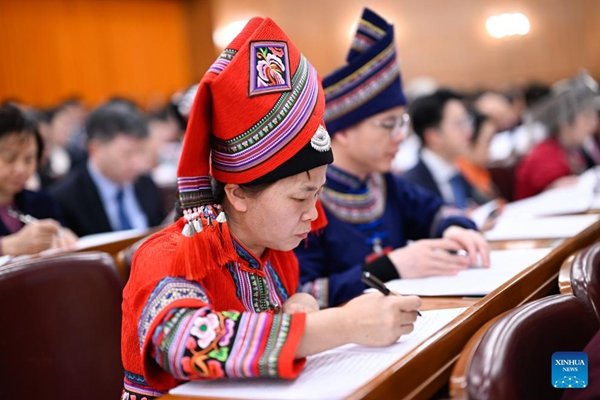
373	282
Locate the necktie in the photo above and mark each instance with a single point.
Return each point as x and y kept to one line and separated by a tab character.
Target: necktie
123	219
459	190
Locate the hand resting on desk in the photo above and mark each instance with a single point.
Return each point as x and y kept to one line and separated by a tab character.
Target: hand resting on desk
473	242
428	257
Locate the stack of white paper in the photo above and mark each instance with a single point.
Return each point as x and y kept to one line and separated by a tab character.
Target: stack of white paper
334	374
504	264
540	228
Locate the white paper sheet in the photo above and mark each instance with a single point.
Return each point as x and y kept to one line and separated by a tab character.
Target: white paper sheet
481	214
504	264
98	239
595	203
333	374
5	260
540	228
573	199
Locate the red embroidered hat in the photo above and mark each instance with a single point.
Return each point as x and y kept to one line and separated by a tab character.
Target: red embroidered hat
257	117
257	106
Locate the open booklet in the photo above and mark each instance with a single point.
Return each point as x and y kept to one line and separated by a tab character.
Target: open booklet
333	374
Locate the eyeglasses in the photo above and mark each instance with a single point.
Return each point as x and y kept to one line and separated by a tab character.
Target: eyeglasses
397	128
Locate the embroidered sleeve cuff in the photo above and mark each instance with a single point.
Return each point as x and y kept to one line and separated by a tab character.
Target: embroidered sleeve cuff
289	366
193	344
382	268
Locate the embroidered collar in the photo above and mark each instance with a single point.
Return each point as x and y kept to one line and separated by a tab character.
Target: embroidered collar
250	259
353	200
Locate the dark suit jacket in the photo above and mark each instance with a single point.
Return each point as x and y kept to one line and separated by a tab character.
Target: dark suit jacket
36	204
82	208
421	175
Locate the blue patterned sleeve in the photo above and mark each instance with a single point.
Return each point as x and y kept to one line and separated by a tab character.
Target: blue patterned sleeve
329	287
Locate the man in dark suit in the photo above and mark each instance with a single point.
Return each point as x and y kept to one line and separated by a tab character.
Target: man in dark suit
111	192
445	127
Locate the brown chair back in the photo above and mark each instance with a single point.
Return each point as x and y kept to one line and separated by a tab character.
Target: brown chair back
124	259
61	326
585	277
510	358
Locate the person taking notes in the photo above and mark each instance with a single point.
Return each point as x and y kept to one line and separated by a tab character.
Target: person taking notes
373	214
28	220
214	294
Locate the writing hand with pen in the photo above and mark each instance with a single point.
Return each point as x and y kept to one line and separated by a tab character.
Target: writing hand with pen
456	251
376	320
36	236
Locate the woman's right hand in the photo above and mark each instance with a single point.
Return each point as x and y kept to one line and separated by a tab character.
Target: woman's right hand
377	320
31	238
370	319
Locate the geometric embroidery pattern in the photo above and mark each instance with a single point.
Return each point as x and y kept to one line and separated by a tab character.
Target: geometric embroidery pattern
166	292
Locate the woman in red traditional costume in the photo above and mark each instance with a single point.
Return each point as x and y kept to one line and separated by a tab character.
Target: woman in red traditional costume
214	294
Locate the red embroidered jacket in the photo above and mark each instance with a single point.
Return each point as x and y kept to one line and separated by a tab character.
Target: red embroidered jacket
227	325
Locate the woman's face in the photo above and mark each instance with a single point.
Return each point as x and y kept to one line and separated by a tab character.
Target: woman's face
279	217
17	162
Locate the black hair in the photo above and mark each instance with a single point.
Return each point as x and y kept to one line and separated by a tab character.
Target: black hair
116	117
535	92
478	120
218	190
13	120
427	111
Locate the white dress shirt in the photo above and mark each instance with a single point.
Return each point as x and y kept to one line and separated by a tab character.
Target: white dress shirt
108	194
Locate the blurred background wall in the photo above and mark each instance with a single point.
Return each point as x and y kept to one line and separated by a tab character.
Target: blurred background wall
148	49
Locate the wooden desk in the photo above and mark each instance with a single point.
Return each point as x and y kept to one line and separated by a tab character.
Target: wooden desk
426	369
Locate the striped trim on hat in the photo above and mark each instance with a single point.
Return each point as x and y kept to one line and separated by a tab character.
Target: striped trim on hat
222	61
370	82
273	131
361	86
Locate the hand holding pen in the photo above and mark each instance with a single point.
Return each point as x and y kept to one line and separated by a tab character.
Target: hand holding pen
36	236
375	320
373	282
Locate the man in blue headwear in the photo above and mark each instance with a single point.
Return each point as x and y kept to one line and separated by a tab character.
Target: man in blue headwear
373	214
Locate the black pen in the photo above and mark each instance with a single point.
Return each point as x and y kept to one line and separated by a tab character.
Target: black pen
373	282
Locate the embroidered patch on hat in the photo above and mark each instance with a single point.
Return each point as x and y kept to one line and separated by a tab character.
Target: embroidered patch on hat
321	140
269	68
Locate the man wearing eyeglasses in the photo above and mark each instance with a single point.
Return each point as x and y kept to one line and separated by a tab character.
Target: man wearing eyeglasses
445	128
371	213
